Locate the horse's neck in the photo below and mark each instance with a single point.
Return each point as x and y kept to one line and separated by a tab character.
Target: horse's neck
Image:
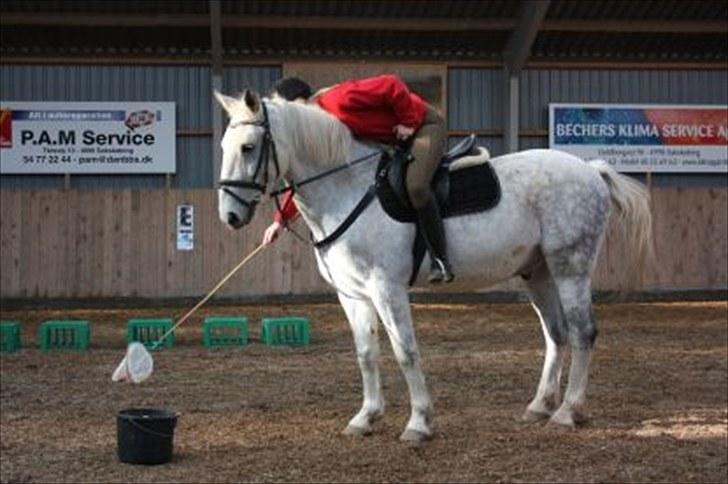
325	203
301	135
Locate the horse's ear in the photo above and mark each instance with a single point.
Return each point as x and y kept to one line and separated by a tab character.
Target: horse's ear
252	100
227	102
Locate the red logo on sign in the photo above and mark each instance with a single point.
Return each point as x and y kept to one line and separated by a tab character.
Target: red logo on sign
139	118
6	128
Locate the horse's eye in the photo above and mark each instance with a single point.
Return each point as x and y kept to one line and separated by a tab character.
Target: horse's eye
247	148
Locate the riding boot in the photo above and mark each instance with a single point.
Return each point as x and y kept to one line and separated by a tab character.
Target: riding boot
434	234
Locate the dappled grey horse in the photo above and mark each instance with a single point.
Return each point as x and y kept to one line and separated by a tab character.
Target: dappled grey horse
547	229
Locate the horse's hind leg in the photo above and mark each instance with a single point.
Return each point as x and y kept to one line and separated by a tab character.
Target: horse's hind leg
575	294
363	319
392	303
545	300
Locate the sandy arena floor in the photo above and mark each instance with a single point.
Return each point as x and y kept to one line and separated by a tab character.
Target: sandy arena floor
658	401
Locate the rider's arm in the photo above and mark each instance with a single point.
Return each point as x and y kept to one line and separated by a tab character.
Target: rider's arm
288	211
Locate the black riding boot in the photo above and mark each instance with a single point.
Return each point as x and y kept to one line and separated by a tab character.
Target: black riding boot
434	234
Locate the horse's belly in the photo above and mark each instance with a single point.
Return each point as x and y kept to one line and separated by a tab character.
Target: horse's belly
489	247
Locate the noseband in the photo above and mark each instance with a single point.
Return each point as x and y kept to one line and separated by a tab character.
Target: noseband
268	147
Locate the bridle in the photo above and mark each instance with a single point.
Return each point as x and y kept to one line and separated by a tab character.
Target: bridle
267	149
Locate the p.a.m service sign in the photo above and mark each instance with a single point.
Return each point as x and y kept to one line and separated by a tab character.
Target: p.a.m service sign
644	137
87	137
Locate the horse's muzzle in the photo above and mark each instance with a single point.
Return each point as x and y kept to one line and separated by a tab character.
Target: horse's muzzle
237	221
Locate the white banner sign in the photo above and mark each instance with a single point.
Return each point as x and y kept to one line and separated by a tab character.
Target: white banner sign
87	137
644	137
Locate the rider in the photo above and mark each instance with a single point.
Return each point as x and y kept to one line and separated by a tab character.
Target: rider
383	109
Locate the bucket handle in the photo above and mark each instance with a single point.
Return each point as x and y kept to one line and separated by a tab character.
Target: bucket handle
150	431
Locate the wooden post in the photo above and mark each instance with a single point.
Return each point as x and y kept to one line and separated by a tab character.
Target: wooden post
216	53
515	55
510	112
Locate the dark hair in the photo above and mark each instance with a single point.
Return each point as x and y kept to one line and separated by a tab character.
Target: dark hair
292	88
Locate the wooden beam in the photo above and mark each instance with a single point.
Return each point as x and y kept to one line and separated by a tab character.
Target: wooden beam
521	39
307	22
102	20
216	81
313	22
380	23
555	63
632	25
216	36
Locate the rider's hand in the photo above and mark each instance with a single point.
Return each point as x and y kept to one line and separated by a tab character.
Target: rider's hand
272	232
402	132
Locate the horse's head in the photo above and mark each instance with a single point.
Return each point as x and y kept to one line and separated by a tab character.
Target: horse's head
247	156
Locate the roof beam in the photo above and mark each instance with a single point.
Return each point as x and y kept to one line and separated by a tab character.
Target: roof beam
259	22
102	20
631	25
521	39
355	23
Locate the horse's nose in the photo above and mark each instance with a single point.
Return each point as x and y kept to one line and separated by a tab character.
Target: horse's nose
232	219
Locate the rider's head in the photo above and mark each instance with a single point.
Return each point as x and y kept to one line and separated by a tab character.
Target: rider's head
292	89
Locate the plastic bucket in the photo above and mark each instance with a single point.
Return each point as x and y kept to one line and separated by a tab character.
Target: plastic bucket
145	435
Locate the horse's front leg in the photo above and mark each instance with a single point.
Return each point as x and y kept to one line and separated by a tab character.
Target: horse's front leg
392	303
363	320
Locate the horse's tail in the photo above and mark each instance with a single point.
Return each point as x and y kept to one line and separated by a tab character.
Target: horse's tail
631	199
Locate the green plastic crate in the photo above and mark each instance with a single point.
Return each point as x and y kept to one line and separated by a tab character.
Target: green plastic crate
9	336
224	331
285	331
148	331
64	335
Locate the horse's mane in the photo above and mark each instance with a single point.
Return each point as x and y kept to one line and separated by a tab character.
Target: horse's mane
309	129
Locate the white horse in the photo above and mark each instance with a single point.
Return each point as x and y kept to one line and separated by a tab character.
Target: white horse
547	228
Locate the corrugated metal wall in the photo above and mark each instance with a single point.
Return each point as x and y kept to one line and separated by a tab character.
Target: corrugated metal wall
539	87
187	86
475	96
475	101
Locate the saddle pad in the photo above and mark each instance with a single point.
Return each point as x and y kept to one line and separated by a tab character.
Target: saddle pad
473	189
468	190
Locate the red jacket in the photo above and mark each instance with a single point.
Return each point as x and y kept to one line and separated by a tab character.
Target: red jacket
371	108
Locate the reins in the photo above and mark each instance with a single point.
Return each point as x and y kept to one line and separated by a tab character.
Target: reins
269	147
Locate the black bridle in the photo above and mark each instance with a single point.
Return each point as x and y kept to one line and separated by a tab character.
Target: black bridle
269	147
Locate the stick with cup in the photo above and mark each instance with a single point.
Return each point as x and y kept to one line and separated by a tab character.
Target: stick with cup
138	364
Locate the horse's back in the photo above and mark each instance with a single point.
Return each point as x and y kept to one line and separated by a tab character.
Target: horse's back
540	172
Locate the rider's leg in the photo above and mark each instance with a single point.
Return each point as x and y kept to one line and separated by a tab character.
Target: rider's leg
428	146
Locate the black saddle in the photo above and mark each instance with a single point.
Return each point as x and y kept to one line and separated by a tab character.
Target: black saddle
468	190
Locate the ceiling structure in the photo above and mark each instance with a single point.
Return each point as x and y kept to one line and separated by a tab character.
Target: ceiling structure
506	32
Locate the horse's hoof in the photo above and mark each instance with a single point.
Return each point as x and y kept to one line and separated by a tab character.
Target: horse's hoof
568	418
353	431
414	436
530	416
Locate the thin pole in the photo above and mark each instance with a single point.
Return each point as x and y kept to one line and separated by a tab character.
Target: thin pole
210	294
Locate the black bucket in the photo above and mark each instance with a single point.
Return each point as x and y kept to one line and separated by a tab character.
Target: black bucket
145	435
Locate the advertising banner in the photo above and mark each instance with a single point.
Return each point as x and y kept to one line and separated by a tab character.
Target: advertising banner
643	137
87	137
